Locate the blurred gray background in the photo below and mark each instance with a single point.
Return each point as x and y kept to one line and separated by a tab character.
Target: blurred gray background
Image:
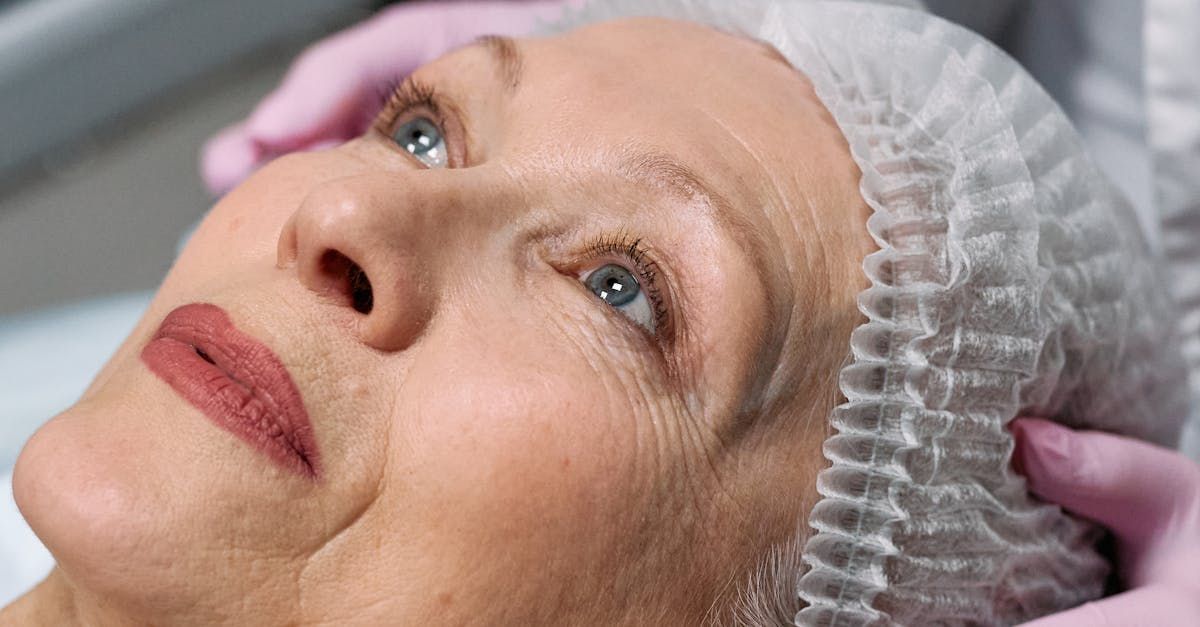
104	105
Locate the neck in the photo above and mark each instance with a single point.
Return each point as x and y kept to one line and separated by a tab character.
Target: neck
52	602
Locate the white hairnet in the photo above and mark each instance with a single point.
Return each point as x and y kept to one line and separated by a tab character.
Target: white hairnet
1010	277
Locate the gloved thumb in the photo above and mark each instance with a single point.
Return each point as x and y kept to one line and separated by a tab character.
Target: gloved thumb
322	97
227	158
1121	483
1152	606
1148	496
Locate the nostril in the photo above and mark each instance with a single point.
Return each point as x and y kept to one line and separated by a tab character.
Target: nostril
349	280
360	289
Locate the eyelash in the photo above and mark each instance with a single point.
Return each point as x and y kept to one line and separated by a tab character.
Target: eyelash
631	249
402	97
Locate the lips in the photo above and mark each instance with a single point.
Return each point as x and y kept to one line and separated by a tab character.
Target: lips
237	382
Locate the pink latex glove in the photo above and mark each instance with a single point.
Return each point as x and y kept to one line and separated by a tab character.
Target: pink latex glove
1149	497
334	87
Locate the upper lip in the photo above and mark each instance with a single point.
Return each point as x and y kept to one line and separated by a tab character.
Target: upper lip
264	407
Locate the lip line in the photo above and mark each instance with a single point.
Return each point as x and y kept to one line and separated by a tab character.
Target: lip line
244	361
233	370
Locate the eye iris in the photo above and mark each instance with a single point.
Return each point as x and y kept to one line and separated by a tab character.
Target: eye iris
614	285
419	136
422	138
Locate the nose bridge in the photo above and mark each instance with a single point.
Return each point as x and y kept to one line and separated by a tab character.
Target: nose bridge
378	243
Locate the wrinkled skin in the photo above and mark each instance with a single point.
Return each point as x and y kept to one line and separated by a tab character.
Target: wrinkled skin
499	445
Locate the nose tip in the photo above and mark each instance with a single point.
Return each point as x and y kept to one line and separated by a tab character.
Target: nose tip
354	256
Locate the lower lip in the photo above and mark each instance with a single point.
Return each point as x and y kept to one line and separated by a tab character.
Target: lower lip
242	386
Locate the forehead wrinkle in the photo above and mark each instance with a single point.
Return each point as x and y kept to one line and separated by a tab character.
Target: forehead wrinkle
768	50
507	57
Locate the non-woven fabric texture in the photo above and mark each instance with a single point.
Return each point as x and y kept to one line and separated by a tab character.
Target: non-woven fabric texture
1011	278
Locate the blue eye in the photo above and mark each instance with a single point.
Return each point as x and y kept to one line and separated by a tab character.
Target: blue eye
618	287
422	138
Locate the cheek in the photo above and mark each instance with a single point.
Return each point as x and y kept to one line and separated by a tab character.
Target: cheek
520	440
241	232
500	434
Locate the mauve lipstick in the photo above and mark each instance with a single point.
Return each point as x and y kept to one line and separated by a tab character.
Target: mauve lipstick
237	382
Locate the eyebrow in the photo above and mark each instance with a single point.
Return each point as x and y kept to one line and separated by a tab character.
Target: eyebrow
658	169
507	55
661	171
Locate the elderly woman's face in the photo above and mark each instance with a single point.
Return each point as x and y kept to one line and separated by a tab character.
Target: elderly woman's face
566	327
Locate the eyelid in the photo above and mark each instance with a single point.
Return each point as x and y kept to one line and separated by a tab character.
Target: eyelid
630	251
411	97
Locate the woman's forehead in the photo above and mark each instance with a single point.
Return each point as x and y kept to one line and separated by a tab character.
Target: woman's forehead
729	108
686	108
726	109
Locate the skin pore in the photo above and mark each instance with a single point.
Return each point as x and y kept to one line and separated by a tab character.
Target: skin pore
500	445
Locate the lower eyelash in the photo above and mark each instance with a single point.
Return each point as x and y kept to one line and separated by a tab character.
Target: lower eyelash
630	248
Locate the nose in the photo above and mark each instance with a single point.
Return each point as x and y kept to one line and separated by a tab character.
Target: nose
361	242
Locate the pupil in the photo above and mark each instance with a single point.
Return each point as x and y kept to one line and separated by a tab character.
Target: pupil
614	285
421	137
416	145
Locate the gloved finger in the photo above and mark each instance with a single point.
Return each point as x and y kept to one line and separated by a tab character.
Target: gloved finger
321	97
332	90
325	92
324	144
1152	606
226	162
227	158
1137	490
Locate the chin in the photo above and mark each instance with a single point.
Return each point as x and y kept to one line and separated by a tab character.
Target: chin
81	496
138	497
101	484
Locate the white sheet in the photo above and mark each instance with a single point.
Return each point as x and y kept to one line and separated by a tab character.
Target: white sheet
47	359
25	560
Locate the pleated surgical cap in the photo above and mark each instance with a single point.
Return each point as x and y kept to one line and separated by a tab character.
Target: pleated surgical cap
1010	278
